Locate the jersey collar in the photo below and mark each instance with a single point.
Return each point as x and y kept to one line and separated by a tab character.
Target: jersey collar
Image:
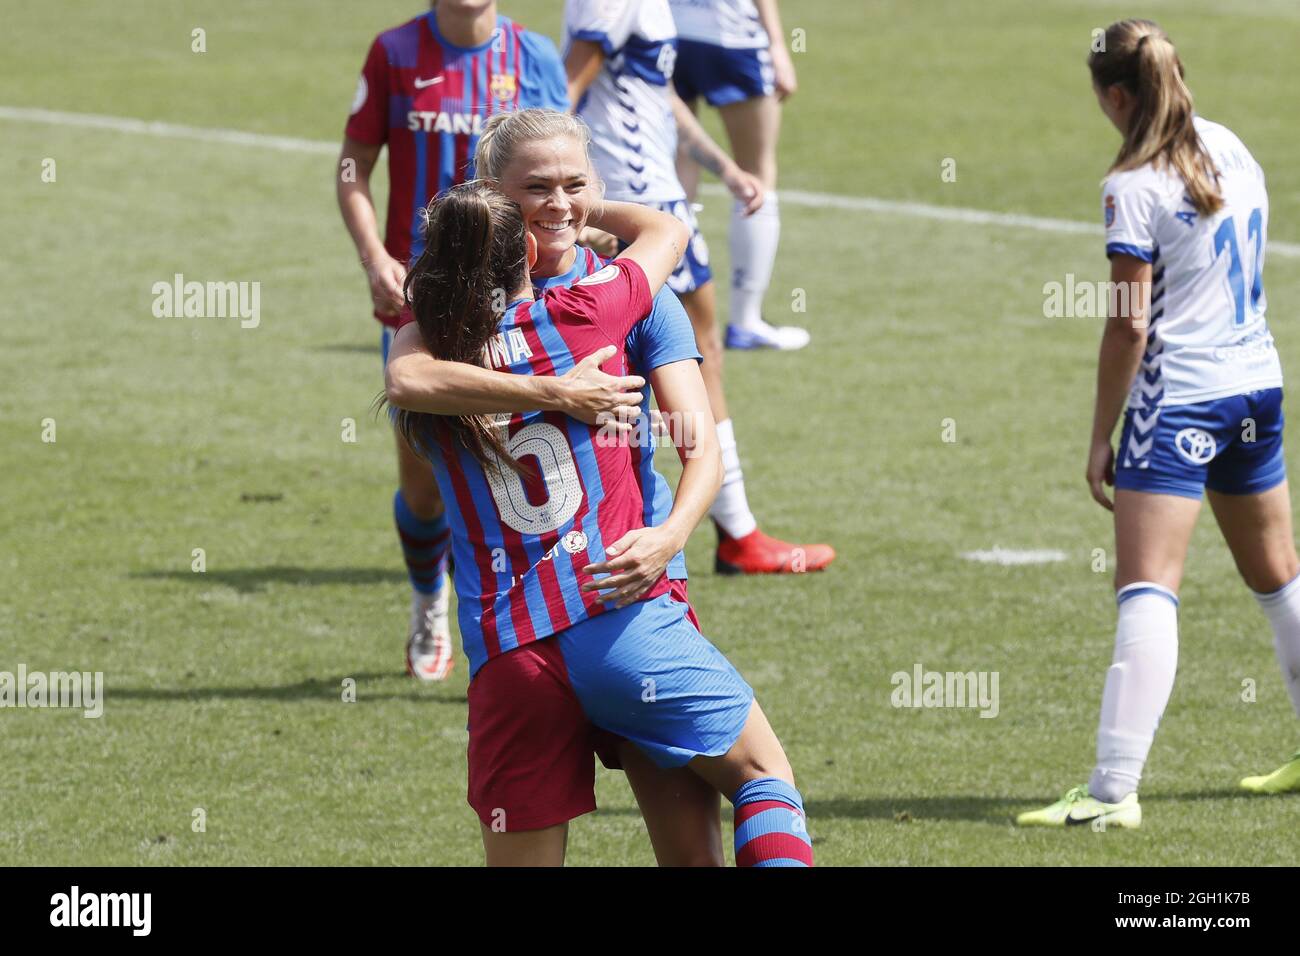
575	272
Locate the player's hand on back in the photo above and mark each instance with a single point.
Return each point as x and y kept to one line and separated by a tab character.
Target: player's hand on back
386	276
596	398
634	563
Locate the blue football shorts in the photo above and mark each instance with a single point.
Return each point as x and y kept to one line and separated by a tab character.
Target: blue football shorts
720	74
1231	445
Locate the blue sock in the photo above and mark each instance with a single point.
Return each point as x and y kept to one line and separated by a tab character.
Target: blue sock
771	829
424	545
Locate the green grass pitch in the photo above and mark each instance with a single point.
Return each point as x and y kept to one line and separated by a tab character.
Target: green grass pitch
224	688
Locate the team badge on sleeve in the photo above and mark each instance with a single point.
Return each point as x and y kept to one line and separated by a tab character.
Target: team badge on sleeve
359	99
1110	210
600	278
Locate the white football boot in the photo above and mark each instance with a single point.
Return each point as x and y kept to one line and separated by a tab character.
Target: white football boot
429	653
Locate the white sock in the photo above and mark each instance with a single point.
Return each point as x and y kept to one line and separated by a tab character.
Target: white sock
1138	685
1283	610
753	241
731	508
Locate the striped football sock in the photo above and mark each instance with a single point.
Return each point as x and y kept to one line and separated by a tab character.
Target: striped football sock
771	829
424	545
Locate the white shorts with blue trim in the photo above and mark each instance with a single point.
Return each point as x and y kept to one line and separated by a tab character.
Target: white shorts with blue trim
693	271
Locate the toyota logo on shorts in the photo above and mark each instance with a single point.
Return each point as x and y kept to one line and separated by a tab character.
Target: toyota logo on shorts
1195	445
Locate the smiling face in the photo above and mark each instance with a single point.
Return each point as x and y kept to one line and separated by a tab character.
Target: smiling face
553	184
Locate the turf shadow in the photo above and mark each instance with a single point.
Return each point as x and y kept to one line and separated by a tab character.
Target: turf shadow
316	688
254	580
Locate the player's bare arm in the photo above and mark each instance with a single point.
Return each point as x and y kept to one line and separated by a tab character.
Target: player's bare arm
385	274
656	240
702	148
1122	345
582	65
416	381
638	559
782	64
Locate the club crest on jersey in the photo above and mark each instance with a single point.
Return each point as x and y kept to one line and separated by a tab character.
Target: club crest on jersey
1195	445
1110	211
503	86
575	542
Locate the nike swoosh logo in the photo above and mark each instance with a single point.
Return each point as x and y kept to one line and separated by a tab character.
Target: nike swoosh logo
421	84
1077	822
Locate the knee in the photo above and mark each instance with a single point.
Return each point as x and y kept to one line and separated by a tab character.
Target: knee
422	497
1272	577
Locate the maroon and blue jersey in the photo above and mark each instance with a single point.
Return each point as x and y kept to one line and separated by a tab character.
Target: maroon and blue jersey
428	100
520	542
664	336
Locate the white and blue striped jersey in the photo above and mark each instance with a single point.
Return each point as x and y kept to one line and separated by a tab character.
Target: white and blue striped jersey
1208	337
733	24
627	106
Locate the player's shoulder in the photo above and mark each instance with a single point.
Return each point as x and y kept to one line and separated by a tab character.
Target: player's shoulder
403	38
531	43
400	44
1147	186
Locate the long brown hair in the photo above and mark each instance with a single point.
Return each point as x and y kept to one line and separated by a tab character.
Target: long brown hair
1139	56
475	257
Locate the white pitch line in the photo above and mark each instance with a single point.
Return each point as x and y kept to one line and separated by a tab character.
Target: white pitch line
1005	556
793	197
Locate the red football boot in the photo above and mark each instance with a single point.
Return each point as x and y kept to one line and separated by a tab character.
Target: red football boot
756	553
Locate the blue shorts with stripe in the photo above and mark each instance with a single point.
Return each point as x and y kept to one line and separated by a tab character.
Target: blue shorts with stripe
1231	445
693	271
722	75
648	675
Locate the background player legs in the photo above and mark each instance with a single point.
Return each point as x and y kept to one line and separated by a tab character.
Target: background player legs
753	126
422	531
415	478
681	810
1152	532
701	306
1257	529
525	847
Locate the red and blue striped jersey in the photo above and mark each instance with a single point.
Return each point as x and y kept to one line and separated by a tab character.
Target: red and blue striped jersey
664	336
520	542
428	100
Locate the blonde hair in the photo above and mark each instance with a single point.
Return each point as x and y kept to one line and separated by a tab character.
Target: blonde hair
1138	56
505	133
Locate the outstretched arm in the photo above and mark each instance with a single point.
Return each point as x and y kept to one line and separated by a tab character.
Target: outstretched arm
416	381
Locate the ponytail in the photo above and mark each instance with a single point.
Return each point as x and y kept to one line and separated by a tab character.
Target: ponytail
475	255
1139	56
